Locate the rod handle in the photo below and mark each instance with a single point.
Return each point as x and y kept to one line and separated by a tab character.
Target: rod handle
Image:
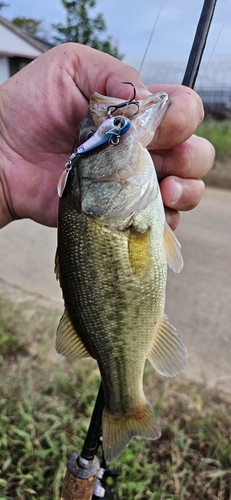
79	482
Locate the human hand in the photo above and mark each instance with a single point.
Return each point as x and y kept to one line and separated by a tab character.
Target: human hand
180	157
40	109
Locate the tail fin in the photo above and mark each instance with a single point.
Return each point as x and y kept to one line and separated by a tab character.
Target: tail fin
118	429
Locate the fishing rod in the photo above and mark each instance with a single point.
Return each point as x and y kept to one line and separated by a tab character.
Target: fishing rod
199	43
86	476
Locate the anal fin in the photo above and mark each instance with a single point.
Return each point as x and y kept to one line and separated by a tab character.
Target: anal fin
168	354
68	342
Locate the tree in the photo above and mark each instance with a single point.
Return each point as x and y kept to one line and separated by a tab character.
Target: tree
34	27
31	26
3	4
81	28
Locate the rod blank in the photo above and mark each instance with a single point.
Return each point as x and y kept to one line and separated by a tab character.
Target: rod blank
199	43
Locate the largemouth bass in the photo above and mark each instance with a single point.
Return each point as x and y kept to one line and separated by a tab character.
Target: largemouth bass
113	249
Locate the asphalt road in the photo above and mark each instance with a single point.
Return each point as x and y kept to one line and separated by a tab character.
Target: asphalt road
198	299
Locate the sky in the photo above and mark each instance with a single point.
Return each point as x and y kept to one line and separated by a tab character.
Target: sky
130	23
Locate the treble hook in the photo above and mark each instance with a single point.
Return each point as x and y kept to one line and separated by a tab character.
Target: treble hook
112	108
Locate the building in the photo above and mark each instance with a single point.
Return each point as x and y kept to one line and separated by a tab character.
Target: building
17	49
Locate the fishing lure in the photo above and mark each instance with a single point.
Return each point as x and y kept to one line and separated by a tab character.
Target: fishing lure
114	107
109	132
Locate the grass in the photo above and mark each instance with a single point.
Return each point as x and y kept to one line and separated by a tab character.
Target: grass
219	134
46	403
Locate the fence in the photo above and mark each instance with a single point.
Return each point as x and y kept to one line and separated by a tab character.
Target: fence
214	97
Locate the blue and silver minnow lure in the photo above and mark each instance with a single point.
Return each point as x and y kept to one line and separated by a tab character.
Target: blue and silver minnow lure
109	132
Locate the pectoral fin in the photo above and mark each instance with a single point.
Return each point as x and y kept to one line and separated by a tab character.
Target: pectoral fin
67	341
168	354
173	250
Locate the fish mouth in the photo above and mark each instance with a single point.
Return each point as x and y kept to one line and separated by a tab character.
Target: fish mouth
152	111
100	104
160	99
124	180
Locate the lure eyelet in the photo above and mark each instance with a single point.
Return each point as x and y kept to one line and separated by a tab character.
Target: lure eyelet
119	121
114	140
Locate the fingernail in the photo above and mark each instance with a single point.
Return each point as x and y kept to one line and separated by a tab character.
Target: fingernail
142	93
176	192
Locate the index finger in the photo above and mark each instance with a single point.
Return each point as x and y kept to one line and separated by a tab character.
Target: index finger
183	116
95	71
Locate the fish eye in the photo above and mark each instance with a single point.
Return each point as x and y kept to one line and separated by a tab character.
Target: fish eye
86	134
